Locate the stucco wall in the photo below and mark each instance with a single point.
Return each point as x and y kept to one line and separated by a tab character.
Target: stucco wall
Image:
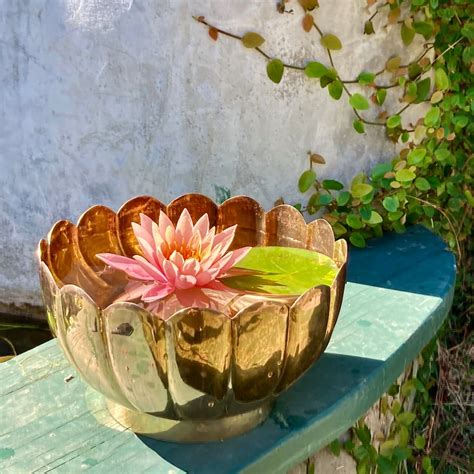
101	100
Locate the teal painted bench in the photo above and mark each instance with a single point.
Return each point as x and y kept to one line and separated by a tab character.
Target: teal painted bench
398	293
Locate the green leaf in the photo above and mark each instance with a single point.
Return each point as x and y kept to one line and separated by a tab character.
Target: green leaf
406	418
387	447
423	28
442	154
358	101
343	198
315	69
368	28
365	212
252	40
420	442
441	79
306	180
366	78
364	435
335	447
275	69
432	117
426	464
335	89
422	184
416	156
332	184
390	203
407	34
358	126
361	189
380	95
375	218
385	466
404	175
394	216
378	171
357	239
394	121
332	42
354	221
422	89
283	271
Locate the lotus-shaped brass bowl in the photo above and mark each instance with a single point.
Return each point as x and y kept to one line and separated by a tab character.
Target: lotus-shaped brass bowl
200	375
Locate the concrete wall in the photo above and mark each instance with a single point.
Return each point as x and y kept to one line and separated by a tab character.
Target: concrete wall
101	100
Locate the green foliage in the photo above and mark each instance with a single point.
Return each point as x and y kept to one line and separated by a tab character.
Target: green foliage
275	69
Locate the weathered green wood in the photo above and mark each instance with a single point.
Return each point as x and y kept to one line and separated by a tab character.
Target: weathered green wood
399	291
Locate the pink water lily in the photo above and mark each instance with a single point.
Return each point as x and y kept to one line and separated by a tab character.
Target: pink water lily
182	260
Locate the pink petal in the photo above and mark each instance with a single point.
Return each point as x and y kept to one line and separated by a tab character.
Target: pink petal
202	225
225	237
156	292
205	277
126	264
184	227
191	267
183	282
177	259
171	271
152	270
166	227
142	233
133	291
235	256
147	223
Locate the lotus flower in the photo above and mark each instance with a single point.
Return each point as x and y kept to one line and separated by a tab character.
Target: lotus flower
182	260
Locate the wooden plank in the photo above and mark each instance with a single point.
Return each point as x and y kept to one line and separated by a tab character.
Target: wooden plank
399	291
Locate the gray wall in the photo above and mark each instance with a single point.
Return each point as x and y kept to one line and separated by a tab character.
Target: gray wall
101	100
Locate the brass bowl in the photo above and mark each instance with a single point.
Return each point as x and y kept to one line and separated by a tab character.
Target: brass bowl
200	375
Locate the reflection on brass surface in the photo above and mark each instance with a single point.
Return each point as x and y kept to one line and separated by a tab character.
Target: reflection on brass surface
320	237
337	292
132	360
200	350
83	336
259	348
69	266
190	431
250	218
199	375
51	297
97	234
130	212
202	342
285	227
196	204
307	329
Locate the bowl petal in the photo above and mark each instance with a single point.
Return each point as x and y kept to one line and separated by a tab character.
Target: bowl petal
285	227
320	237
80	329
196	204
249	217
259	340
306	333
200	350
137	350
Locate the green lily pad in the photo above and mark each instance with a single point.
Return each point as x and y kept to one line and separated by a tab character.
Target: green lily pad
282	271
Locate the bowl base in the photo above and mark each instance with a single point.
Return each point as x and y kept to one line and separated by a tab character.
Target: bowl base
189	431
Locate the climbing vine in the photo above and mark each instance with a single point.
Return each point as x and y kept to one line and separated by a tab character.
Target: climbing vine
428	181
